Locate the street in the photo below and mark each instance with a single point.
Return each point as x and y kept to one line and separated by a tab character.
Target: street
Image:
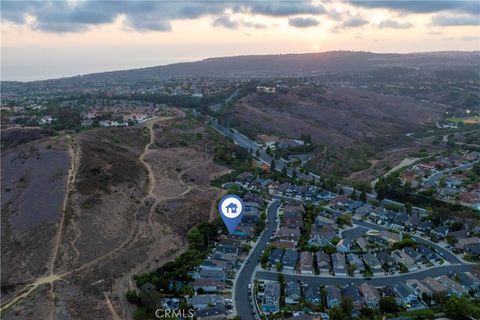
242	298
378	282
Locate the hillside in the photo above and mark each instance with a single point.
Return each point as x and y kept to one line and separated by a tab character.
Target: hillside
124	206
357	127
289	64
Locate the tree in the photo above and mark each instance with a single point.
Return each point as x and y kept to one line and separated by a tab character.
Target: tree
460	308
272	165
140	314
388	305
451	239
347	305
457	226
476	168
440	297
353	196
408	207
363	196
284	170
294	174
278	266
281	278
268	151
132	297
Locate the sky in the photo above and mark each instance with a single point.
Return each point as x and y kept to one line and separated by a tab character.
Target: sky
51	39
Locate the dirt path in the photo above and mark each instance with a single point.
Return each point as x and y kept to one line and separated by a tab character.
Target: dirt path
404	163
114	314
27	290
151	176
125	283
72	173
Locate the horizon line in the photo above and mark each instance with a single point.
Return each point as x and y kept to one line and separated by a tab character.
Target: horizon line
242	55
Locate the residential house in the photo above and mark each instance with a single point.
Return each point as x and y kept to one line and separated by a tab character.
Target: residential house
325	195
306	262
312	293
208	285
362	243
364	210
333	296
440	232
453	288
227	248
473	250
404	258
339	265
208	264
201	301
322	237
289	260
460	234
373	262
434	285
370	295
426	252
351	291
271	303
213	274
413	254
289	234
344	245
284	244
323	261
292	219
213	313
419	288
388	262
425	227
468	281
462	243
354	260
292	293
405	294
391	237
275	256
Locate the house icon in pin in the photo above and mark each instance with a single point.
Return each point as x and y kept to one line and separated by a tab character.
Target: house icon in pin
231	208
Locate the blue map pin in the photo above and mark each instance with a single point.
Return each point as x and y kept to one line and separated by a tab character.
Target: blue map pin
231	210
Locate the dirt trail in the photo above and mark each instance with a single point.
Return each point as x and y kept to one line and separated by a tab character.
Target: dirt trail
151	177
72	173
114	314
27	290
125	282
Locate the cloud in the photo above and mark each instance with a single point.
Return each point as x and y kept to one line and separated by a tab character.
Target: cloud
301	22
392	24
284	8
354	22
454	20
77	16
227	22
421	6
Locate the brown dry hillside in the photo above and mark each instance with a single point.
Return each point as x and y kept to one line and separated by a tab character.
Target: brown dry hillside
131	196
33	177
332	116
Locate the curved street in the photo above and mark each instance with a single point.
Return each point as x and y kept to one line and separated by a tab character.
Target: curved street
245	274
379	282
